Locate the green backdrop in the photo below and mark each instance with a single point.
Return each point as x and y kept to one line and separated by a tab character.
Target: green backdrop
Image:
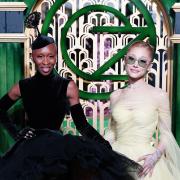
12	68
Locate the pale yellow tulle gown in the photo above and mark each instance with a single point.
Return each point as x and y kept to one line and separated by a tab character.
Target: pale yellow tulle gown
135	118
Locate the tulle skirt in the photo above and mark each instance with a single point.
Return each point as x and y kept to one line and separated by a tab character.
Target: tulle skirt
161	170
52	156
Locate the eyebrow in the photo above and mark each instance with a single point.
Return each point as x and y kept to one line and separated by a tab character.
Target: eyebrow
145	58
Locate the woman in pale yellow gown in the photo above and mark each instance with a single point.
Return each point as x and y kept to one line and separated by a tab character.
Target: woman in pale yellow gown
137	112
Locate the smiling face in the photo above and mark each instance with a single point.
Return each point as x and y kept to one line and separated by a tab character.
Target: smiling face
45	59
138	61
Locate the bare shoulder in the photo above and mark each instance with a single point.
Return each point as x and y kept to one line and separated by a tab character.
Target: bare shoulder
72	85
72	93
14	93
72	88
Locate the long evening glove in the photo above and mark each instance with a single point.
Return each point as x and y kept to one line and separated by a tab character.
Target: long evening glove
84	127
5	103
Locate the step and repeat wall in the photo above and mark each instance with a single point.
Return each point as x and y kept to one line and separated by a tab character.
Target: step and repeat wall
92	37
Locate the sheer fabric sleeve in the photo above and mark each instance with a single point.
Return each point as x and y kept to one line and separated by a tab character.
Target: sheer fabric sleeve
172	150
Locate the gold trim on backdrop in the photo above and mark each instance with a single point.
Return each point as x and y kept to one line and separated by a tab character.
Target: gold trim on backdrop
98	110
176	7
166	15
175	38
13	37
169	29
19	38
12	6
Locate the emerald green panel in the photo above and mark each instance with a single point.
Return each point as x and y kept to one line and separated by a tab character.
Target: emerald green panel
11	71
176	96
3	88
6	140
11	63
168	4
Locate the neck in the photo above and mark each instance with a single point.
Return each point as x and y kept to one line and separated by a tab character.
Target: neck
136	84
40	76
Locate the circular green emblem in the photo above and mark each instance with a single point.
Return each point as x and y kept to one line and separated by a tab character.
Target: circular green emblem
98	75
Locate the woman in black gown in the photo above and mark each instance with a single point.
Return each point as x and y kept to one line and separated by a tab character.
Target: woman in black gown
48	154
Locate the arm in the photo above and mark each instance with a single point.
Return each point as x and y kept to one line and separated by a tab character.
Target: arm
10	98
79	118
164	127
164	124
5	103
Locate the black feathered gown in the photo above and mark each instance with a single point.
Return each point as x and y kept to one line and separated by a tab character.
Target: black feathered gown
51	156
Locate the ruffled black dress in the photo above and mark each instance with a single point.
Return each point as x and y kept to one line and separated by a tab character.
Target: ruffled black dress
51	156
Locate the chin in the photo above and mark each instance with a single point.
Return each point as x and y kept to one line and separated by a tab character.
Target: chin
135	78
136	75
45	74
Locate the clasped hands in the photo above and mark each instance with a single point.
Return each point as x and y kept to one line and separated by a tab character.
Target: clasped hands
150	161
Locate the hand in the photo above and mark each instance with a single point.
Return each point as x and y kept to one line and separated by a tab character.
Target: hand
148	165
26	133
150	161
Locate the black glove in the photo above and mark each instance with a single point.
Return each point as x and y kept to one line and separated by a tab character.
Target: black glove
91	133
8	124
5	103
26	133
84	127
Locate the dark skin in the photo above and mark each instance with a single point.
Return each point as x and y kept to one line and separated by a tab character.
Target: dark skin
45	59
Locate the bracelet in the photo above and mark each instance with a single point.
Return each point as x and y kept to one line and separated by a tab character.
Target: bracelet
158	153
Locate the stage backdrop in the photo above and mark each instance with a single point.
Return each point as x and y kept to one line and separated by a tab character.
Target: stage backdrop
92	37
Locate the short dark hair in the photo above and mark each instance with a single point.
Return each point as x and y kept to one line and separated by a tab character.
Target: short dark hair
42	41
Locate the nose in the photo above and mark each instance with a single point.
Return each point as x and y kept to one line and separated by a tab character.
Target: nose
45	60
135	64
